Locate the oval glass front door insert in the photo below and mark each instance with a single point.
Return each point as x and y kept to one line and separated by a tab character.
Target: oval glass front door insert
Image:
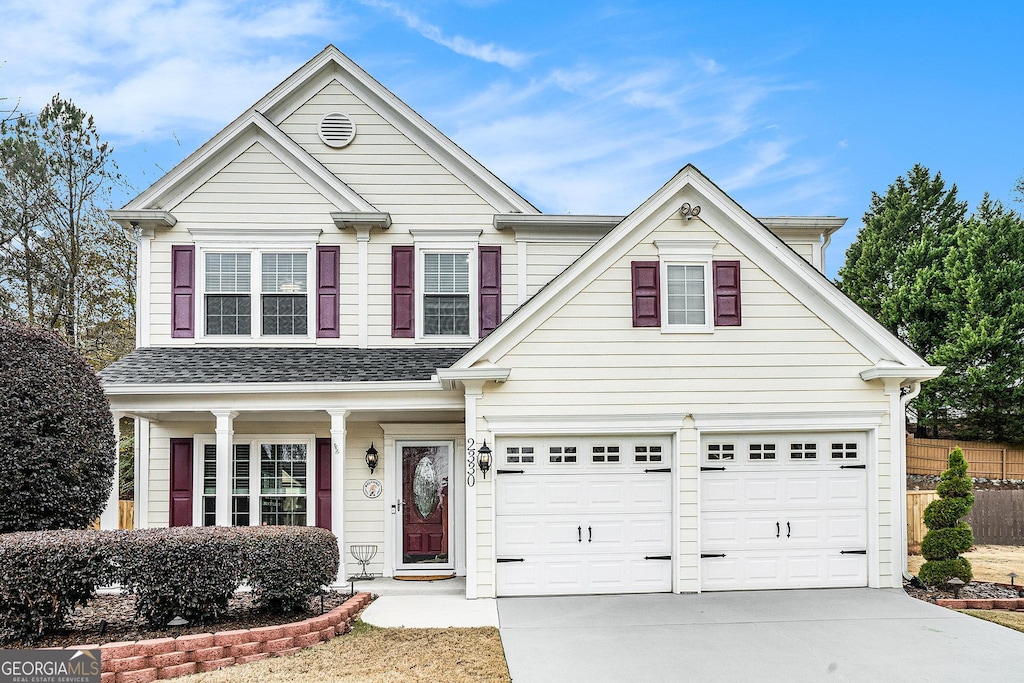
424	487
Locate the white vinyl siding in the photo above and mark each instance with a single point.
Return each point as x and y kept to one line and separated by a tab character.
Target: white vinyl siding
545	260
588	360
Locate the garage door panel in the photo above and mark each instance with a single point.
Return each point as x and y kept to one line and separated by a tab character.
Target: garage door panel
532	535
785	489
626	534
767	569
578	575
728	530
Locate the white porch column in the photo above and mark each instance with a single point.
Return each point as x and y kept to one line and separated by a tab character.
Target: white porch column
338	430
474	391
225	433
141	473
108	518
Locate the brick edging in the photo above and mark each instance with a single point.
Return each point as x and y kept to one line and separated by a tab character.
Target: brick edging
1001	603
149	660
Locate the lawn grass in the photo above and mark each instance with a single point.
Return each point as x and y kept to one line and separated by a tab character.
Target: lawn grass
1014	620
370	653
989	562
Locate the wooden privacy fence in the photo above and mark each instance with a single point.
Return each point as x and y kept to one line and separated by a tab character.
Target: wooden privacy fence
988	460
125	515
997	517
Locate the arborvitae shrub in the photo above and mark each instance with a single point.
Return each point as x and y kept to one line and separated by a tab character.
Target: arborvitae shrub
947	536
57	454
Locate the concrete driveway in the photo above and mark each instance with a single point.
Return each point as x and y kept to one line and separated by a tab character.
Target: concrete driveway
856	634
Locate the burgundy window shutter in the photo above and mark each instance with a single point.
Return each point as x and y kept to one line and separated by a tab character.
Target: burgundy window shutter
727	293
403	292
490	289
181	482
646	294
328	271
323	483
183	275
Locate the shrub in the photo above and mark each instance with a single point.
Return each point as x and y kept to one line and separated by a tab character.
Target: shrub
189	572
46	574
947	536
286	565
58	448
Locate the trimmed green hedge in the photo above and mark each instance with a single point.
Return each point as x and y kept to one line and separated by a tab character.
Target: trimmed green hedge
286	566
45	575
189	572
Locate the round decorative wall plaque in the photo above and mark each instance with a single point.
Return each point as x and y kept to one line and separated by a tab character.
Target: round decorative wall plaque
372	488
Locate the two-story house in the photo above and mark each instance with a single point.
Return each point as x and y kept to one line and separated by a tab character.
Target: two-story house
346	321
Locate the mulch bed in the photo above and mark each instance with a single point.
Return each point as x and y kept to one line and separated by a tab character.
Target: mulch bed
975	590
121	625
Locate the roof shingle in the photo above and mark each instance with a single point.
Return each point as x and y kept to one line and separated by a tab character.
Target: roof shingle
276	364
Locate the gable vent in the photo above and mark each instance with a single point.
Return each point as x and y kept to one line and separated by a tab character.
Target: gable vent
337	129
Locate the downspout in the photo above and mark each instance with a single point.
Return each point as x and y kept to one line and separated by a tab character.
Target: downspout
913	390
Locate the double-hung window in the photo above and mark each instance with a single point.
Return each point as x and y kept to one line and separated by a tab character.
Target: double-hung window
279	293
284	299
446	294
228	294
687	304
270	481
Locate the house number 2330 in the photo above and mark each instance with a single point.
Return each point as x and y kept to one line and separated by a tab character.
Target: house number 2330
470	462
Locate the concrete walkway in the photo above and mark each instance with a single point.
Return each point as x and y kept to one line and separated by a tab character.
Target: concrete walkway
856	634
425	604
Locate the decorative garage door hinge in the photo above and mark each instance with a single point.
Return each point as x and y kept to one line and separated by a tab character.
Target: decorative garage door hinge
712	469
712	554
657	557
659	469
853	467
510	559
511	471
853	552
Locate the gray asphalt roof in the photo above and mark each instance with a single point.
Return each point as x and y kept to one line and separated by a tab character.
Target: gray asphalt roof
272	364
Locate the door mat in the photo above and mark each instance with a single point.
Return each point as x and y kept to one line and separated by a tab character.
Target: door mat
440	577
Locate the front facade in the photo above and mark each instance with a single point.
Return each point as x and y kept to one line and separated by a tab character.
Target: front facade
346	321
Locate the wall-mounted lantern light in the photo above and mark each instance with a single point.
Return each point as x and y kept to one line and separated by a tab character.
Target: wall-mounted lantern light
483	458
371	458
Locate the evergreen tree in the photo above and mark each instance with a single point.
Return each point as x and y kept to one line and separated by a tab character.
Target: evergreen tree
984	352
947	535
894	270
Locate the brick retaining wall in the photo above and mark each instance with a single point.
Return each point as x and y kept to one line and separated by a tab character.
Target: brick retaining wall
149	660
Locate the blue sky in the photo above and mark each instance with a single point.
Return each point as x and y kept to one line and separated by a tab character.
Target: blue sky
583	107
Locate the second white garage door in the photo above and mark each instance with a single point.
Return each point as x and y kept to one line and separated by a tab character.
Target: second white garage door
583	516
783	511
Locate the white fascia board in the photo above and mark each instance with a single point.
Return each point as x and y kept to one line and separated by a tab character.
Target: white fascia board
448	377
433	384
144	218
332	64
790	422
361	219
803	225
247	130
548	228
751	238
524	425
902	372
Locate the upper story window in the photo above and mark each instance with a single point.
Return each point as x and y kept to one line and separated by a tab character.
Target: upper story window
686	294
446	294
280	293
284	294
228	294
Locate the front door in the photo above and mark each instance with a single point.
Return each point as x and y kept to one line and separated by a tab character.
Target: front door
426	513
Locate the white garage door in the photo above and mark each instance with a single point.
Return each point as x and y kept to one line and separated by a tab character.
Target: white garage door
577	515
783	511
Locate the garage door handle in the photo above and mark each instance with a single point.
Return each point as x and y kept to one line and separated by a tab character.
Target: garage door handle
657	557
853	467
659	469
712	554
511	471
778	530
853	552
509	559
590	534
788	530
712	469
579	534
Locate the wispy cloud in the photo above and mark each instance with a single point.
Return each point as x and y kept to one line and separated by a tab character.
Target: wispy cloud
488	52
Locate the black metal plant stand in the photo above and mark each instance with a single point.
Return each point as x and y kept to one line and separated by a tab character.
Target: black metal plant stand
363	554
